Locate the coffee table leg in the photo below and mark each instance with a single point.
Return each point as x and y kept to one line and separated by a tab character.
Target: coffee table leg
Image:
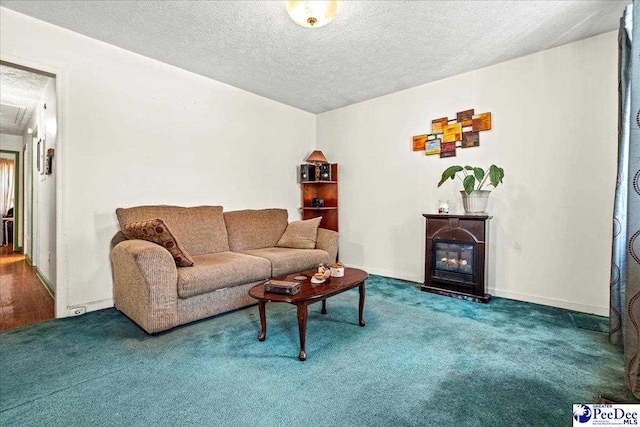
302	327
361	305
263	321
324	307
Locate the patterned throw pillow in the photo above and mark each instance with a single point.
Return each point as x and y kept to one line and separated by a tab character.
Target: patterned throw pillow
156	231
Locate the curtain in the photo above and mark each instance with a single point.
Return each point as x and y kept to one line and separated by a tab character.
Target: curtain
624	315
7	169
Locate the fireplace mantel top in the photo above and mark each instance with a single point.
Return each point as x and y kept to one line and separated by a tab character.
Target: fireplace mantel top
468	216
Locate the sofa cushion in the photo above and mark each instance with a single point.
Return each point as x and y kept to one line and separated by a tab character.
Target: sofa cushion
300	234
158	232
286	261
200	230
255	229
220	270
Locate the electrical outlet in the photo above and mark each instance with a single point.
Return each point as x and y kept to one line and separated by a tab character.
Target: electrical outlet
76	311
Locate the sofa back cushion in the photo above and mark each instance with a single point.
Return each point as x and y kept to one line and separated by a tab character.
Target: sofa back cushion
255	229
200	230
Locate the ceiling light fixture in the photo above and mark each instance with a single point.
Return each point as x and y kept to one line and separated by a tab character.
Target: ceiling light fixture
312	13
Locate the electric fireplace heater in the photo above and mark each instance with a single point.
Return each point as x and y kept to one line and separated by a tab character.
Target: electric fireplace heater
456	256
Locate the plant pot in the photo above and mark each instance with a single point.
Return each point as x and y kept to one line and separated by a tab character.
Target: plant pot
476	202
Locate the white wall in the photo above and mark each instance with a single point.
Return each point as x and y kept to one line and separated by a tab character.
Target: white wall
554	132
14	143
10	142
43	186
134	131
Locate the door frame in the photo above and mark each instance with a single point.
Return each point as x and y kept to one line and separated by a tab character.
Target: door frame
59	73
29	160
28	184
24	194
16	199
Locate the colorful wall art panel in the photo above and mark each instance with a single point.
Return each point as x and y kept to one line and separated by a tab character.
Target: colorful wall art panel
449	134
418	142
452	132
470	139
437	125
465	118
448	149
482	122
433	146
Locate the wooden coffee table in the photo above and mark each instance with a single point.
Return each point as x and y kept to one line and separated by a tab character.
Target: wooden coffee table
309	294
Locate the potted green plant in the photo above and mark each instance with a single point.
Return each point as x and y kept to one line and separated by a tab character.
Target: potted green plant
474	198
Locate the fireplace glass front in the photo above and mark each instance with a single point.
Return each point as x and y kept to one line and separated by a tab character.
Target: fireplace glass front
454	261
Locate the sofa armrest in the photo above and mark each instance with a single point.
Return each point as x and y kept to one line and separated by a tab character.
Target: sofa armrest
145	284
327	240
117	238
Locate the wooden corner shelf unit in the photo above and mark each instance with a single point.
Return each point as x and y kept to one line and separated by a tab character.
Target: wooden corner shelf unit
327	191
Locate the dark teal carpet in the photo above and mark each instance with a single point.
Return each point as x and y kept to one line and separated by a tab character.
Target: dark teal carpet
422	359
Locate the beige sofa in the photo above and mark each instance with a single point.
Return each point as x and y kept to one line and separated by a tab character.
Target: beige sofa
232	251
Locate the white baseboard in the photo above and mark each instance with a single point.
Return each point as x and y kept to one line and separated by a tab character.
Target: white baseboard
45	282
391	274
553	302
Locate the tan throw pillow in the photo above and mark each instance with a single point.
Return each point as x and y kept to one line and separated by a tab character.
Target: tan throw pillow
156	231
300	234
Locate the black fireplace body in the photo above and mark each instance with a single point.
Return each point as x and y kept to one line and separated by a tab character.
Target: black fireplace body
456	256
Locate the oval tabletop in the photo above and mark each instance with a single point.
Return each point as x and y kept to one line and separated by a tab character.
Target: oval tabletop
311	291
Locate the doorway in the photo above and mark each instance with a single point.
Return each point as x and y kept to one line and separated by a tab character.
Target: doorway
10	191
28	134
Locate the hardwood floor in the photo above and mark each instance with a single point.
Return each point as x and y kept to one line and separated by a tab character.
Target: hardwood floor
23	299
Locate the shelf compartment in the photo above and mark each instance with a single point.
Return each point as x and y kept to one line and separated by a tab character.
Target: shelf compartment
329	193
324	208
318	182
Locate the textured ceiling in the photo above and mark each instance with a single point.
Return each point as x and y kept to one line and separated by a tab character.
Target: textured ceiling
372	48
22	89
